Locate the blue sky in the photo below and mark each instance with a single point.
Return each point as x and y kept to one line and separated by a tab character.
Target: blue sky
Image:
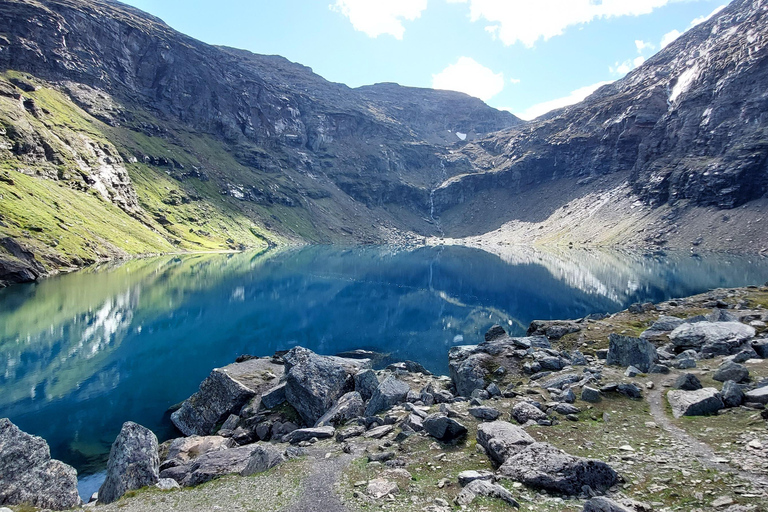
526	56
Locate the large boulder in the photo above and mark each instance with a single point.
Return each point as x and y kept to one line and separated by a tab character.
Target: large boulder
441	427
502	439
523	412
225	392
759	395
348	407
603	504
688	382
625	351
305	434
542	466
366	383
700	402
732	394
184	449
29	476
210	465
731	371
133	462
264	456
697	335
313	383
485	489
390	392
468	373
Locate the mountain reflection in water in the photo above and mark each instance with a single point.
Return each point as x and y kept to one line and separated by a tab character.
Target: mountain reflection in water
82	353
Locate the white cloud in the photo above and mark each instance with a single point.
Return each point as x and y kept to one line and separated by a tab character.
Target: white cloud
468	76
573	98
643	45
377	17
528	21
515	80
669	37
622	68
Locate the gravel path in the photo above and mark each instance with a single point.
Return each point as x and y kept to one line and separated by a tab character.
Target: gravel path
318	489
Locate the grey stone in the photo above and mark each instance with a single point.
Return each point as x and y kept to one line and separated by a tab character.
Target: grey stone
231	422
659	369
466	477
415	422
732	394
542	466
502	439
495	332
441	427
631	371
305	434
565	409
379	432
666	324
684	363
625	351
629	390
486	489
561	381
694	403
380	487
688	382
468	374
366	383
758	396
603	504
164	484
348	407
350	432
29	476
552	329
185	449
274	396
390	392
578	359
697	335
745	355
761	348
523	412
590	395
493	389
484	413
211	465
731	371
263	457
226	391
721	315
133	462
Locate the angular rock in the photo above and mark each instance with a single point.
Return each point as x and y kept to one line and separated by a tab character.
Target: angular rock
468	374
484	413
366	383
566	409
561	381
263	457
603	504
626	351
379	432
211	465
380	487
441	427
415	422
185	449
133	462
695	336
305	434
164	484
552	329
466	477
349	433
348	407
542	466
688	382
389	393
523	412
313	383
29	476
732	394
731	371
758	396
695	403
274	396
486	489
225	392
590	395
502	439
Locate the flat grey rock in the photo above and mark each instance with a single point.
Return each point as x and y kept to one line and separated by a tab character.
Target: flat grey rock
502	439
348	407
305	434
700	402
485	489
705	333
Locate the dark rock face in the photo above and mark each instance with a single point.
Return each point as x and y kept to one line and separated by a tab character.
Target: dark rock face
688	382
542	466
732	394
731	371
305	434
263	457
225	392
441	427
626	351
486	489
28	475
133	462
390	392
348	407
695	403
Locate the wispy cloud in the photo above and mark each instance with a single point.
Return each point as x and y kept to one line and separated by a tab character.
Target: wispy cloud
378	17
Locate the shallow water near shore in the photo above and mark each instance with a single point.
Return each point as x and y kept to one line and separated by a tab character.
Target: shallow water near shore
80	354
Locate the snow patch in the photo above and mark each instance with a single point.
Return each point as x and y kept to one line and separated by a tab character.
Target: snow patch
461	136
684	82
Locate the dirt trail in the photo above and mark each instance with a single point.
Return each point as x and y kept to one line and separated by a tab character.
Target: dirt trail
319	489
696	448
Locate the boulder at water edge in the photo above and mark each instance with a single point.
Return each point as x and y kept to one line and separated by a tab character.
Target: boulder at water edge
225	392
28	475
133	462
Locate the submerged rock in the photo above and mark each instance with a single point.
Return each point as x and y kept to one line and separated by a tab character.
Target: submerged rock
225	392
133	462
29	476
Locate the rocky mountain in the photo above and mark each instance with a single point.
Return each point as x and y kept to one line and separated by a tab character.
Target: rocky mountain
686	131
120	136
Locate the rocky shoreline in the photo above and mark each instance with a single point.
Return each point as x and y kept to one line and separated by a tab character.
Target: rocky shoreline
569	417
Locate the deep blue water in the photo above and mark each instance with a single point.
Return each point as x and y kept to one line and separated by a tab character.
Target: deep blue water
82	353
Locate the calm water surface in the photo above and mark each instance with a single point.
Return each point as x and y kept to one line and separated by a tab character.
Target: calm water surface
82	353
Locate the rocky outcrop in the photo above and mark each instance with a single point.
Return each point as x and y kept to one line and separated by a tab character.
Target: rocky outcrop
225	392
185	449
542	466
390	392
699	335
348	407
29	476
501	440
603	504
133	462
211	465
442	427
700	402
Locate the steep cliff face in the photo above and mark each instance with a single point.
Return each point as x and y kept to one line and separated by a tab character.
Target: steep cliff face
688	129
207	147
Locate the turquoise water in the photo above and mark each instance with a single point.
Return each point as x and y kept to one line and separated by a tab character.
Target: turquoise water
82	353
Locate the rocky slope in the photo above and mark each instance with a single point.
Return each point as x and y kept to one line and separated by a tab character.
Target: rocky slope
107	112
684	132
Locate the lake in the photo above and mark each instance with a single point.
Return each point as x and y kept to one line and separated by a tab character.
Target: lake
82	353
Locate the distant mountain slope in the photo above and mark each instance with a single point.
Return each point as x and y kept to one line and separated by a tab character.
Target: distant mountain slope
110	112
687	131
